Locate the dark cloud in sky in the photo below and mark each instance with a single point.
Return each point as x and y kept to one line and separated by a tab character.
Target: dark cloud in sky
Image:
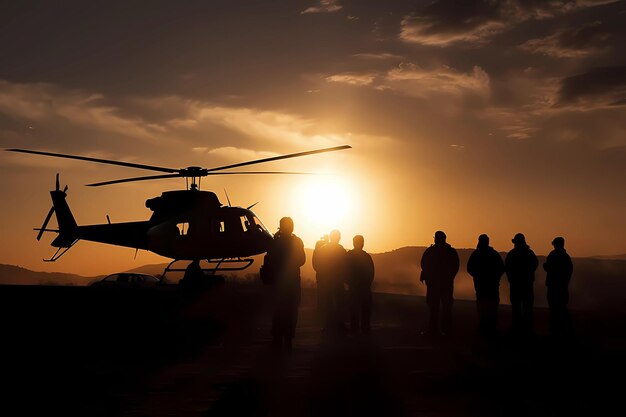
571	42
605	86
446	22
472	23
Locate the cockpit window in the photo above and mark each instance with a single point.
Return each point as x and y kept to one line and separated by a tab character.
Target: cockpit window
245	224
258	224
218	226
183	228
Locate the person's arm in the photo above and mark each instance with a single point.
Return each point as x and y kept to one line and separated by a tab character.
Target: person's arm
300	257
424	265
499	263
316	258
535	261
471	267
507	263
570	267
456	264
370	269
548	263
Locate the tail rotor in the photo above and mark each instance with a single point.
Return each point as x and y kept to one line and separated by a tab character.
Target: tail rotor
45	223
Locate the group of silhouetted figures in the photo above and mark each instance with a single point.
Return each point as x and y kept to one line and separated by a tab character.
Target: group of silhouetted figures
338	269
440	264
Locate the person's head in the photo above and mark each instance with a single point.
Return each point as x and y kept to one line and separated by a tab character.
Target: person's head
334	236
440	237
286	226
483	241
519	239
558	242
358	242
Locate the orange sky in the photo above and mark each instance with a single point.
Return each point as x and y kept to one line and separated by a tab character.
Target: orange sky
513	122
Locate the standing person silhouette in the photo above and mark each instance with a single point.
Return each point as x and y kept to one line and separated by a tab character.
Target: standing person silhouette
559	269
330	263
283	261
323	294
486	267
520	265
440	264
360	278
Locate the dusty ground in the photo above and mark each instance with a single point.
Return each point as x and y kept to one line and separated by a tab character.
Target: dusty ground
76	351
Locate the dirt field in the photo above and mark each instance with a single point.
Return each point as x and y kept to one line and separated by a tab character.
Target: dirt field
79	351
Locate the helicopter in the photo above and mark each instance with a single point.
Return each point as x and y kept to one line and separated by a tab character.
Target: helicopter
185	225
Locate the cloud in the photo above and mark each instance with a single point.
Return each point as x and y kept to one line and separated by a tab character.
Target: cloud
475	22
412	80
324	6
177	120
570	43
447	22
232	153
44	102
602	87
267	129
416	81
520	103
352	78
383	56
513	123
550	107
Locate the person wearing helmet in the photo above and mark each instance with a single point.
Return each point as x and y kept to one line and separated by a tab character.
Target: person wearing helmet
520	265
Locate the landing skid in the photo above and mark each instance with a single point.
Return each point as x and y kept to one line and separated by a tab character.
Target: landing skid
217	265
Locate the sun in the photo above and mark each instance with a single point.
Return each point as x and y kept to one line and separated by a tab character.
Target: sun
324	203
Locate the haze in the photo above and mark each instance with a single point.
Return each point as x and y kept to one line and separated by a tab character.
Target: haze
490	117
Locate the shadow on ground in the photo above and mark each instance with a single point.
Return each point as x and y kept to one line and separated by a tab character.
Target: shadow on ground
83	351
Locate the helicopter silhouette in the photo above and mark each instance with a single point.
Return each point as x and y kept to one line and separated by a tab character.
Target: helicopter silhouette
185	225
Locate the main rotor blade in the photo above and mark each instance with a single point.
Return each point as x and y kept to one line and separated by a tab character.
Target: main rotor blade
276	158
263	172
149	177
97	160
159	177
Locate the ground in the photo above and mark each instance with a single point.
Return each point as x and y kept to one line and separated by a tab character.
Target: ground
81	351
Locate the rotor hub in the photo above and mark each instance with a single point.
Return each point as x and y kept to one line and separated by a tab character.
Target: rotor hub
194	172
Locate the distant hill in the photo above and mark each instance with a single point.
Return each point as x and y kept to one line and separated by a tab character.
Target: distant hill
10	274
597	282
621	257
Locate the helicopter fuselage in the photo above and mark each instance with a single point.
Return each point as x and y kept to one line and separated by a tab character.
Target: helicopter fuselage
185	225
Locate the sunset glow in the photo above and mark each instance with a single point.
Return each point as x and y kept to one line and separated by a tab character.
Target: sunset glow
502	118
325	202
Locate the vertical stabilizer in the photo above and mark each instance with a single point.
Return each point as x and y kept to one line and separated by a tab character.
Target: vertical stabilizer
65	219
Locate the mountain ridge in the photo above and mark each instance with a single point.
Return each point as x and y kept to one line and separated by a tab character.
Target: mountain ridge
397	271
